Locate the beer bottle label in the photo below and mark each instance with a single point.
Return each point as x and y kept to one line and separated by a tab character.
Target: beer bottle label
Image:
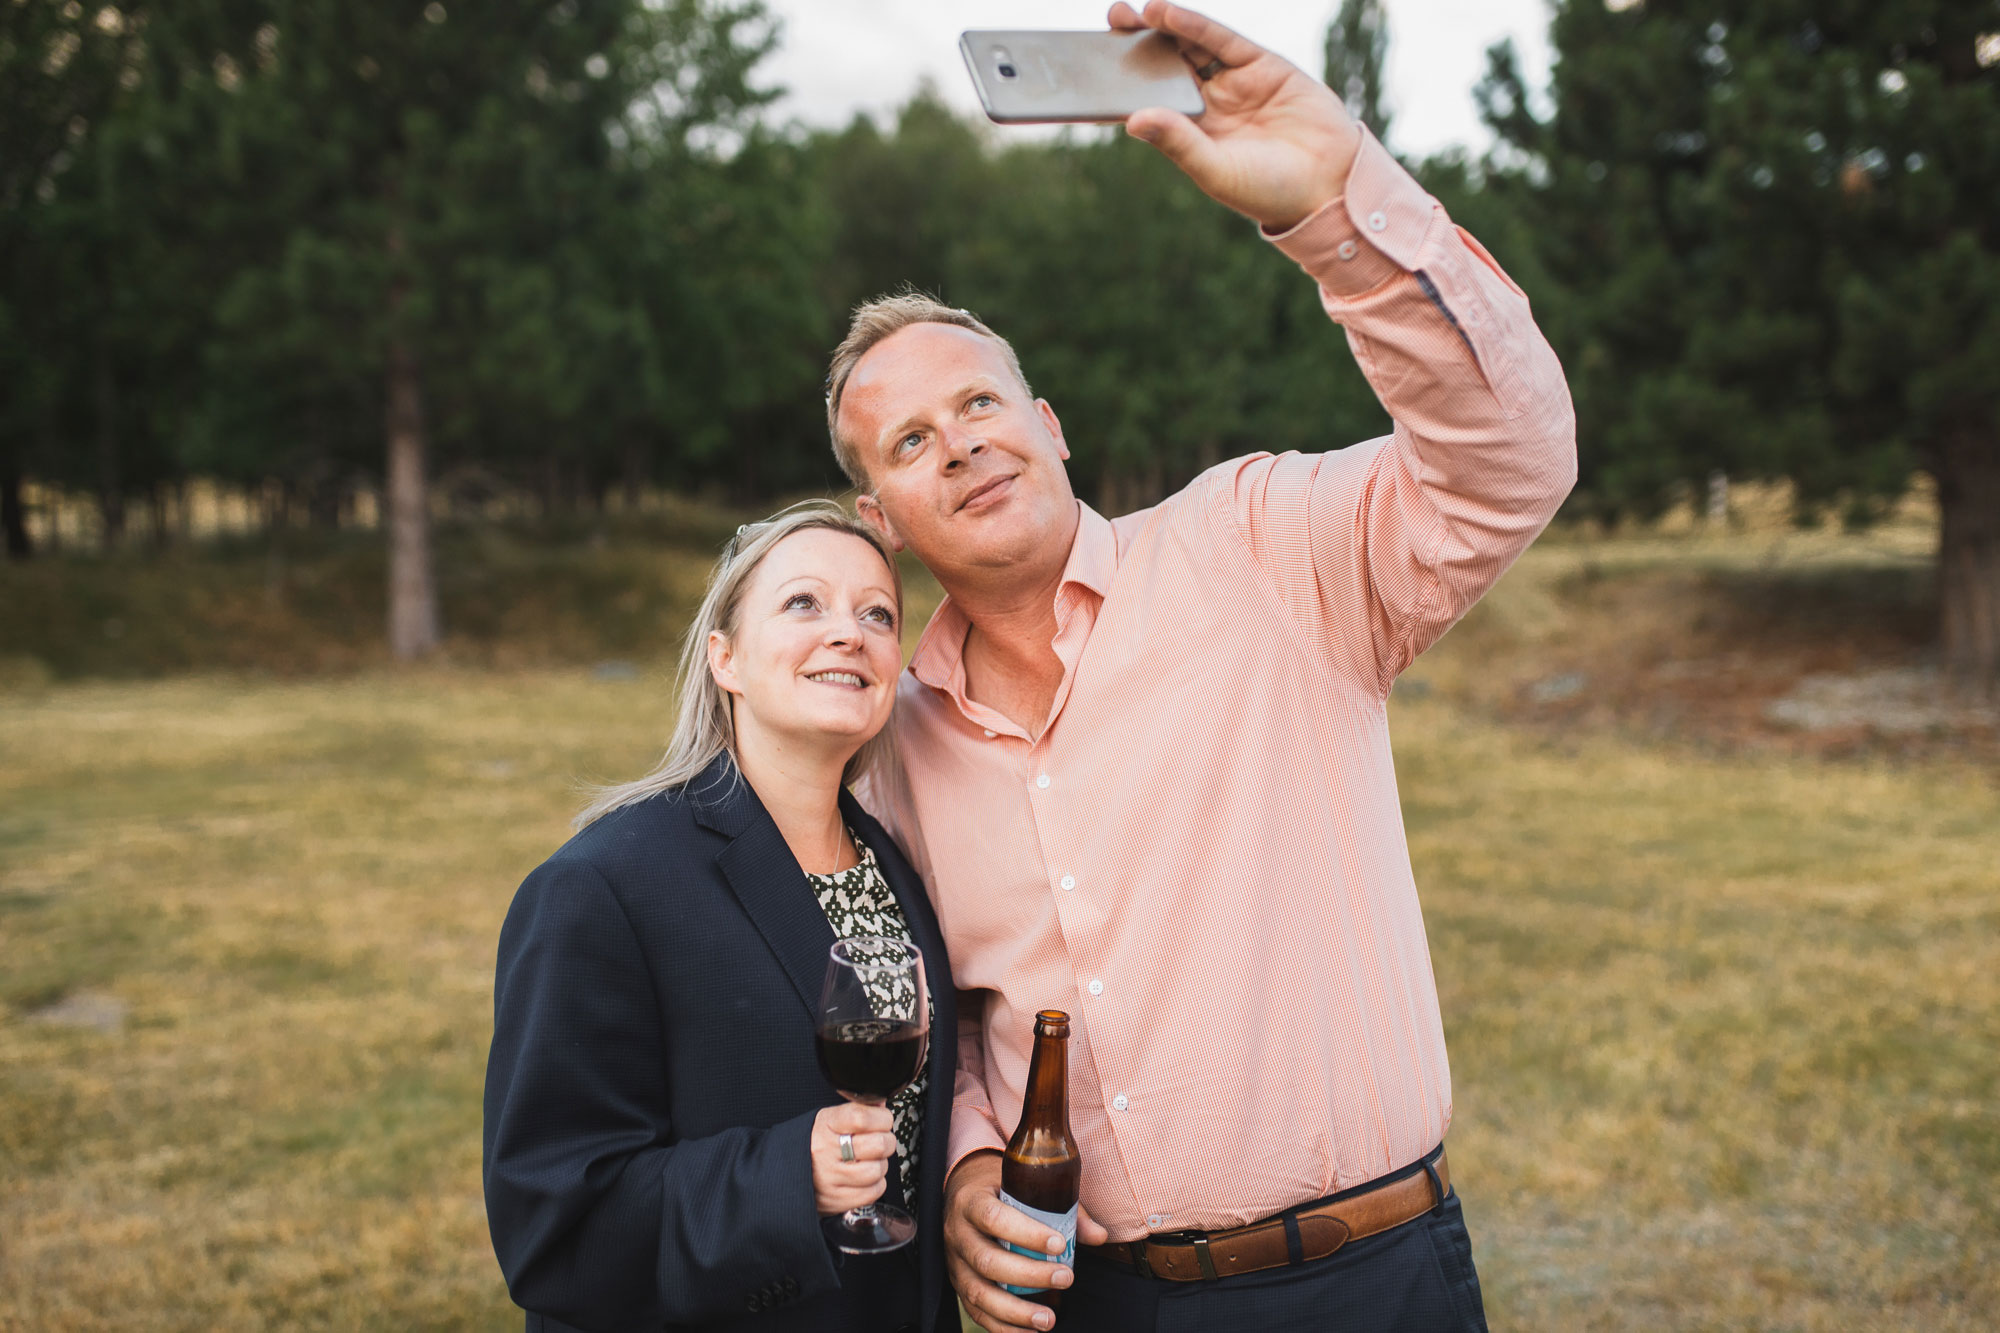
1063	1224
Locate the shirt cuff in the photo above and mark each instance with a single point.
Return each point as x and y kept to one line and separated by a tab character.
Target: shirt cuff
1374	232
972	1130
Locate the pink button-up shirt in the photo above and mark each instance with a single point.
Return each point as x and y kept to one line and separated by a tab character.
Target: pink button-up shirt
1200	855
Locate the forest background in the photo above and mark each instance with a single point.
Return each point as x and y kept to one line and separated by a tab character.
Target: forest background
384	263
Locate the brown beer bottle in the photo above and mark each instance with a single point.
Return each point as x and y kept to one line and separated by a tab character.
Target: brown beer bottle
1041	1172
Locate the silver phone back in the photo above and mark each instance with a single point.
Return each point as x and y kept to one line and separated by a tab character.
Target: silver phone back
1076	76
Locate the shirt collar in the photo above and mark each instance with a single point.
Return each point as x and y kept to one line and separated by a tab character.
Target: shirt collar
1093	564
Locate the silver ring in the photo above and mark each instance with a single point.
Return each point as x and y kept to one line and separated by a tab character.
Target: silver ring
1210	70
846	1147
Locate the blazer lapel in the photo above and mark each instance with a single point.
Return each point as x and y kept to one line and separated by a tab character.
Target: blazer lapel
767	881
909	890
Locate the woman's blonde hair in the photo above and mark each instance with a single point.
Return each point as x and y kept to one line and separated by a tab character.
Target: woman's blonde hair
703	729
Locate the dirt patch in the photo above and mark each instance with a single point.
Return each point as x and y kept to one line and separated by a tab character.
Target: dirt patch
1899	701
1827	660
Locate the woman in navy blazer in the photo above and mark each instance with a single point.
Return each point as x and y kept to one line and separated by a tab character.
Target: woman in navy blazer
660	1144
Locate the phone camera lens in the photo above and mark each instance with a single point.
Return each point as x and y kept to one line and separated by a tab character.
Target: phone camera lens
1006	71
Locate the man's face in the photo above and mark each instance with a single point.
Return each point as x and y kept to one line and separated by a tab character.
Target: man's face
964	468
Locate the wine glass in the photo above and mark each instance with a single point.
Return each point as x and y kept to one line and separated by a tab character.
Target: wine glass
874	1027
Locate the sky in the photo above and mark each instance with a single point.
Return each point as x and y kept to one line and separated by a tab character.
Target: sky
843	56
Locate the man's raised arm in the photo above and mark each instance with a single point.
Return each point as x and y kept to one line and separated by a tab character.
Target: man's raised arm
1401	535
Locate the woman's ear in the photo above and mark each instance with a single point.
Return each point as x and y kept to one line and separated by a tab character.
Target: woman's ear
722	662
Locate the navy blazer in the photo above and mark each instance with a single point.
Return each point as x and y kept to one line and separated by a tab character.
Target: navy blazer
652	1086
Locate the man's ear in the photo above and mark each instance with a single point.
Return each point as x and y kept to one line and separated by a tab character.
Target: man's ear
1055	426
876	517
722	662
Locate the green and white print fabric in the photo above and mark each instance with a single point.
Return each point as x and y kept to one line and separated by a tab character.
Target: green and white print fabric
858	901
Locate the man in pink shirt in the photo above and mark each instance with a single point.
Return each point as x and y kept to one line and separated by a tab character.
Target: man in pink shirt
1147	760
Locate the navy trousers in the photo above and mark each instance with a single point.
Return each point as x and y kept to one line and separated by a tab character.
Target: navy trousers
1415	1278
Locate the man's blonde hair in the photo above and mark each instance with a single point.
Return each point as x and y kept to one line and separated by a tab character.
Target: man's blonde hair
872	322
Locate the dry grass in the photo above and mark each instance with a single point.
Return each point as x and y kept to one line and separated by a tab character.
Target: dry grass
1723	1025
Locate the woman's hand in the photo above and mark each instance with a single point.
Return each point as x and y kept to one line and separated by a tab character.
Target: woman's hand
839	1185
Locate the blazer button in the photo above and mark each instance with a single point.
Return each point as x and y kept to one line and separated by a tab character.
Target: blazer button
756	1303
791	1286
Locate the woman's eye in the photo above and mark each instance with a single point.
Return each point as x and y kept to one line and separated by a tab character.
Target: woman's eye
882	615
800	600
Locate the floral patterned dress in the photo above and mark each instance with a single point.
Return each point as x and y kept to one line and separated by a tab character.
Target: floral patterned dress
858	901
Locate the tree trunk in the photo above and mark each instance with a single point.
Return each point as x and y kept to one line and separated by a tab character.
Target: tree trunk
636	468
110	493
14	515
413	611
157	510
749	477
1968	481
548	486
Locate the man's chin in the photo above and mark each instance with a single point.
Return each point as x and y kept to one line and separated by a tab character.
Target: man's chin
1016	522
1014	533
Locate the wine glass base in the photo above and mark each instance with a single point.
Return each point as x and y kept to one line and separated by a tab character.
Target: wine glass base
874	1231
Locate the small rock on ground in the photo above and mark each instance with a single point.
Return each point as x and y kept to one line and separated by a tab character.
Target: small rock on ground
83	1009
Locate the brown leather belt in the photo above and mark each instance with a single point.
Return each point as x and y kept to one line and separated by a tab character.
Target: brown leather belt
1295	1236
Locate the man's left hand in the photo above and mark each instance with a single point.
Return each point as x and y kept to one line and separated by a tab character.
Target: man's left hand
1275	143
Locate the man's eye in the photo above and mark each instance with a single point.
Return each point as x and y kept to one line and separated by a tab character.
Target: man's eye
909	442
984	400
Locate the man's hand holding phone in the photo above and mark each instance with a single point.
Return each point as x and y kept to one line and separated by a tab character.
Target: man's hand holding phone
1275	143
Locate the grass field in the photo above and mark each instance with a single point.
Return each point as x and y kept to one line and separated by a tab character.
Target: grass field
1723	1020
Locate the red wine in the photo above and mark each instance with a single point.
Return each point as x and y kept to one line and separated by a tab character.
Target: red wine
871	1059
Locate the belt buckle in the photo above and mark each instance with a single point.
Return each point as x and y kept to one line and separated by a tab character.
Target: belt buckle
1197	1239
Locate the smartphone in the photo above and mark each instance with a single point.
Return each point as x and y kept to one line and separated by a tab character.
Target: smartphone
1035	78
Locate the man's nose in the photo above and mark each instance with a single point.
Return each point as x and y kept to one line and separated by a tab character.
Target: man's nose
961	447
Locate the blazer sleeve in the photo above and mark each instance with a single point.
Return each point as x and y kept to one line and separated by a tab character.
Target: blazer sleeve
599	1217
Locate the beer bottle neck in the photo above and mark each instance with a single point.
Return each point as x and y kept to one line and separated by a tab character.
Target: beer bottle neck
1047	1100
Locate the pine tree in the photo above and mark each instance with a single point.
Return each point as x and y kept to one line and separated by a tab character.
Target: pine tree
436	190
1775	229
1357	49
65	69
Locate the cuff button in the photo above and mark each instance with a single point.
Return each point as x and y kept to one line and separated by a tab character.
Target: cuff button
1347	249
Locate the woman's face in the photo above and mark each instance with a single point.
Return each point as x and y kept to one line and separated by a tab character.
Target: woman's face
817	649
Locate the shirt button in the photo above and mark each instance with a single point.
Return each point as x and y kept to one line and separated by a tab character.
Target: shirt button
1377	220
1097	988
1154	1220
1042	781
1069	881
1118	1103
990	733
1347	249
